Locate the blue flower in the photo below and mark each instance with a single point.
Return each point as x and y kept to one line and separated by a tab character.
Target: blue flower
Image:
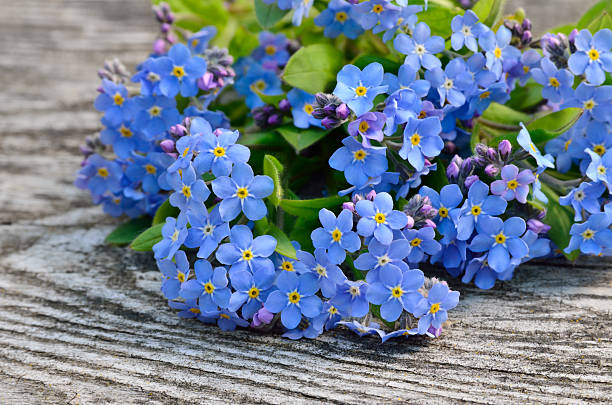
592	56
180	71
149	76
480	271
295	297
557	82
447	203
369	126
251	291
156	115
513	185
421	241
329	317
433	310
466	30
308	329
198	42
189	191
395	291
359	164
559	147
219	152
338	19
421	139
226	320
207	230
595	100
600	168
114	102
381	256
421	48
99	175
479	204
524	139
372	12
209	286
258	80
529	60
451	82
336	235
174	233
498	49
328	273
147	169
244	253
361	330
597	138
406	18
302	108
400	332
174	274
501	239
378	218
186	147
351	298
301	9
453	253
400	107
592	236
124	139
242	192
272	50
358	88
406	79
585	197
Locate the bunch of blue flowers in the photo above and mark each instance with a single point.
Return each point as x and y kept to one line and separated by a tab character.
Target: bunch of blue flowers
387	146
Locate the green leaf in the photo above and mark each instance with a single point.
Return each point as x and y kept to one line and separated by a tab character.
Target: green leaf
300	139
594	12
311	208
563	29
602	21
525	97
164	211
438	18
436	179
560	218
268	14
267	138
195	14
388	65
489	11
301	230
145	241
283	244
273	168
128	231
551	125
313	68
273	100
503	114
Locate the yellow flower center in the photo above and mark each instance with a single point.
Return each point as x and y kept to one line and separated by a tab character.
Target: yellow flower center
321	271
185	152
476	210
332	310
354	291
588	234
254	292
219	151
361	91
180	276
287	266
422	114
155	111
377	9
336	235
258	85
308	109
434	308
500	238
443	212
485	95
553	82
294	297
599	149
194	310
175	235
149	168
125	132
359	154
601	169
416	242
512	184
118	99
526	69
363	126
242	193
415	139
594	54
247	255
380	218
103	172
589	104
178	71
497	52
341	16
567	144
186	191
270	49
397	292
224	316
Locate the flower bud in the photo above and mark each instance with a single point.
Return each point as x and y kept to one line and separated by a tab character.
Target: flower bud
491	170
348	206
284	105
275	119
452	171
467	165
329	122
436	332
342	112
263	316
371	195
504	148
178	130
470	180
492	155
167	145
537	226
481	149
159	46
356	198
410	223
429	224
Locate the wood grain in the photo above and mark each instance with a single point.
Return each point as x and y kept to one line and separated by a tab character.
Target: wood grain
81	322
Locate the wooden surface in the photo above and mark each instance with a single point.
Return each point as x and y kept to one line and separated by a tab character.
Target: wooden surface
81	322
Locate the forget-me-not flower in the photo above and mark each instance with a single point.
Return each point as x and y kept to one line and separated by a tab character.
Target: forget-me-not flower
338	18
209	286
174	274
466	30
592	236
420	49
592	56
207	230
336	235
513	185
395	291
359	164
244	253
421	139
378	218
501	239
479	204
432	310
174	233
251	291
295	297
358	88
180	71
328	273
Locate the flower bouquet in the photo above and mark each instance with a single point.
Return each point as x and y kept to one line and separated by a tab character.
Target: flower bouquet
299	165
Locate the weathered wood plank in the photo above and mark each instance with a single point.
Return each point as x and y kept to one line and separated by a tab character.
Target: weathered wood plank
81	322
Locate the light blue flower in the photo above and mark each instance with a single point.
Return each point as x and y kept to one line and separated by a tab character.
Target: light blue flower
433	310
361	330
156	115
524	139
302	108
251	291
358	88
198	41
373	12
501	239
258	80
124	138
395	291
218	152
359	164
338	18
378	218
421	139
600	168
381	256
295	297
498	49
466	30
180	71
244	253
99	175
351	298
209	286
189	191
450	82
174	274
336	235
421	242
584	197
328	273
447	203
207	230
557	82
592	236
406	18
420	50
595	100
592	56
174	233
115	103
478	205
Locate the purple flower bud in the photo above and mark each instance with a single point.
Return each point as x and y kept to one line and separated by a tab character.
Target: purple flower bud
450	147
207	82
481	149
436	332
452	171
178	130
268	109
165	27
526	24
541	214
537	226
426	209
329	110
504	148
371	195
353	1
159	46
492	154
479	161
275	119
167	145
284	105
457	160
467	165
526	37
342	112
572	40
410	223
429	224
218	131
348	206
263	316
470	180
329	122
491	170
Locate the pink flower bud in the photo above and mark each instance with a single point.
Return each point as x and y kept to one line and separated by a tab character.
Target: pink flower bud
348	206
371	195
